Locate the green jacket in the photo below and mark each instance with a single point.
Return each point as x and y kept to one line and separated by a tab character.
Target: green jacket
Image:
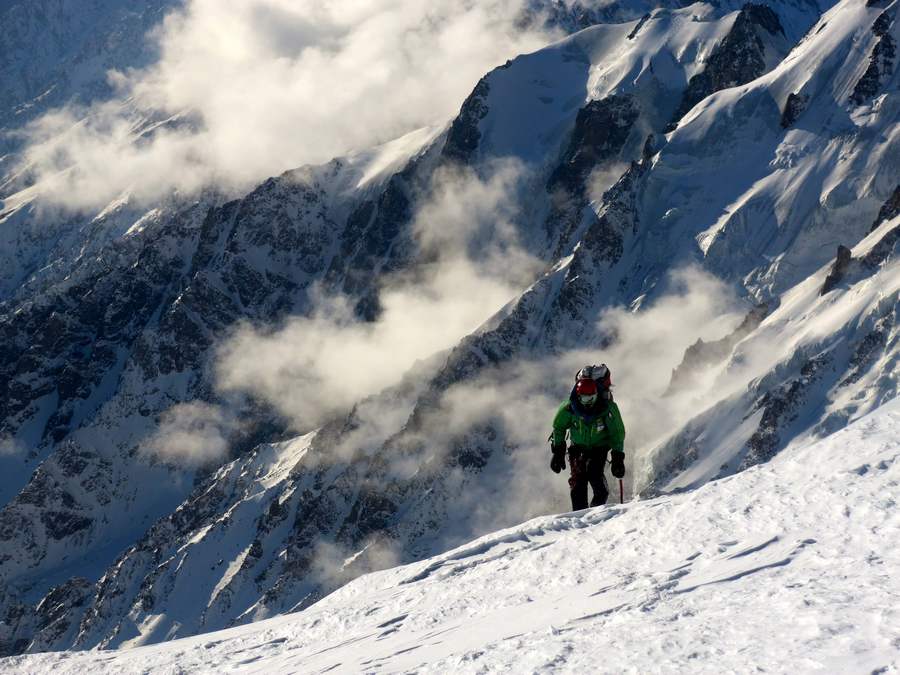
603	429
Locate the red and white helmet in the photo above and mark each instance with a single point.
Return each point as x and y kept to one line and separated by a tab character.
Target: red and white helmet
600	374
586	391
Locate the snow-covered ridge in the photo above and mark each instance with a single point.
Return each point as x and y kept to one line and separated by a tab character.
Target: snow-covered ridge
786	566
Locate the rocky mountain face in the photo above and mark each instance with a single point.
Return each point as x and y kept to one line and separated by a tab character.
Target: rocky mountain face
881	60
701	356
738	59
102	546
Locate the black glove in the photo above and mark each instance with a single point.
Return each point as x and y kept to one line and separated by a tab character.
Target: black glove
618	464
558	461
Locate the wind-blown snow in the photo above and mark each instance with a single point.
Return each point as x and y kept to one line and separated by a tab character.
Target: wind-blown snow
787	566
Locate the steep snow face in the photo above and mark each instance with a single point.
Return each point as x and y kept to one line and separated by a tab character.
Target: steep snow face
796	193
795	555
821	359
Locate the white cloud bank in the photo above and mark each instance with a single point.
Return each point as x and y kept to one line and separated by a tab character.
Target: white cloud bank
312	367
11	447
255	87
192	434
521	397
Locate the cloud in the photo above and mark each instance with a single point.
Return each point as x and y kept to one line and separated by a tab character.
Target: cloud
603	178
245	89
314	366
192	434
11	447
651	342
335	564
505	413
509	410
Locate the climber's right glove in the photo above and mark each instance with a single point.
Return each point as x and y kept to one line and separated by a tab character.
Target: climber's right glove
558	460
618	464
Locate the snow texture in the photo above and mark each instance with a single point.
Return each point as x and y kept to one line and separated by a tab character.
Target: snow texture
784	567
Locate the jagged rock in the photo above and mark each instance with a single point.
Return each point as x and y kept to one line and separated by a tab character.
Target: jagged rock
780	408
601	129
702	355
464	136
53	620
884	249
867	350
889	210
58	613
838	270
376	239
637	28
67	340
881	62
793	108
15	621
738	59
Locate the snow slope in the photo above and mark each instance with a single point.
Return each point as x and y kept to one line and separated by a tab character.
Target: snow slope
785	567
824	336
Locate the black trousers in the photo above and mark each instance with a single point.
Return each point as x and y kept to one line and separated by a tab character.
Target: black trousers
587	466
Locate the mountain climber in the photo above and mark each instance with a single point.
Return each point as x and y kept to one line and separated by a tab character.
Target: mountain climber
595	429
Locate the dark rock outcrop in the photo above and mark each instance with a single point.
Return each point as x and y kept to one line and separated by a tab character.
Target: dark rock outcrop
838	270
781	407
738	59
881	62
53	619
889	210
793	108
637	28
869	348
702	355
601	131
883	249
464	135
